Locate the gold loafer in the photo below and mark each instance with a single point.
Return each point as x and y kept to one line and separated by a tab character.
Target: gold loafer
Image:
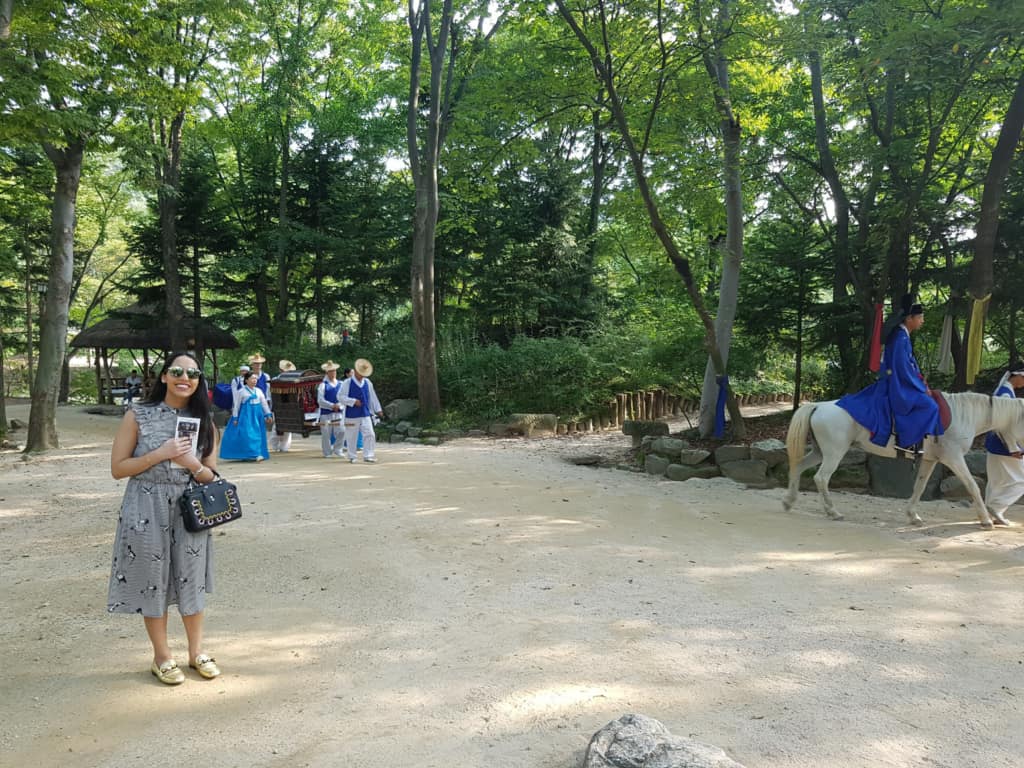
206	666
168	673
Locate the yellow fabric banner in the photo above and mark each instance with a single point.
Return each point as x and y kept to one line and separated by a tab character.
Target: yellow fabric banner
977	334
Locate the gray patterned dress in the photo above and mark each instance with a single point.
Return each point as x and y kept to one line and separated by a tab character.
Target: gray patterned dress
157	562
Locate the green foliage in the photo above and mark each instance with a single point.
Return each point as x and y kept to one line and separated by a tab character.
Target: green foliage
82	387
293	214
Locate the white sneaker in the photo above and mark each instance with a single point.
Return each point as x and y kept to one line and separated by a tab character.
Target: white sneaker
370	460
351	461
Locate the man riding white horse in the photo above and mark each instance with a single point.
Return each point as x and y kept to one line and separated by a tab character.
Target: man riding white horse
899	397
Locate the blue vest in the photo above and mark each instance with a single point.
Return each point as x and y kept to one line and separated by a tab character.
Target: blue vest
992	442
330	395
360	393
263	384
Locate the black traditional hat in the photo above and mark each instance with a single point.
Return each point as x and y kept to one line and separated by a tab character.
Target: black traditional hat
909	307
906	309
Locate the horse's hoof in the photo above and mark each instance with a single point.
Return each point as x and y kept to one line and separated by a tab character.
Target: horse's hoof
987	525
835	516
917	522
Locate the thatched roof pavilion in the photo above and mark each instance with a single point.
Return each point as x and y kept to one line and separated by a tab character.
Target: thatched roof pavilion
144	327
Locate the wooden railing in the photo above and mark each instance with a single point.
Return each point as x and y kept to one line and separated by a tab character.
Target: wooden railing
650	405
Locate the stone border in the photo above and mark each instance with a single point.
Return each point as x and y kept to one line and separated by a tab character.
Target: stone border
765	464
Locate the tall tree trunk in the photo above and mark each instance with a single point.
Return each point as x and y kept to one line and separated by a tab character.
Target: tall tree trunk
603	68
168	180
424	167
842	272
197	307
29	342
320	168
283	260
598	167
798	373
444	94
980	280
717	66
6	8
3	393
53	327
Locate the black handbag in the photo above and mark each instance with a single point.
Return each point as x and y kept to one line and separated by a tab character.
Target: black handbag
207	505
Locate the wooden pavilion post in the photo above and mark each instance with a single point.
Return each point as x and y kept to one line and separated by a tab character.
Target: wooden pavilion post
99	375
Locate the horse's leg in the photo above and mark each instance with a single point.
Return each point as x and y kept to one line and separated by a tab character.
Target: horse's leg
959	468
812	459
829	464
924	472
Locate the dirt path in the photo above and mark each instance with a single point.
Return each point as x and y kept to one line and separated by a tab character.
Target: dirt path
485	603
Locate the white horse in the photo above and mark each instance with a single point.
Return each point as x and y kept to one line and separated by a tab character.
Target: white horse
833	431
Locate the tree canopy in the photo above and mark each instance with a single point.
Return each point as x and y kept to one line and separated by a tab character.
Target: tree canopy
456	181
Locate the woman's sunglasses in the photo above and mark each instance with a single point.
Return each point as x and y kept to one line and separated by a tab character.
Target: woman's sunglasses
177	371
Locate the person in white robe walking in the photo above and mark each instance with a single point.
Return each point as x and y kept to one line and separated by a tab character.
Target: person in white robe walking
1004	464
328	396
361	406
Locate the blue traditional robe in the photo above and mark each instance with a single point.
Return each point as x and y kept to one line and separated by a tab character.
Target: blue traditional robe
994	443
245	436
899	397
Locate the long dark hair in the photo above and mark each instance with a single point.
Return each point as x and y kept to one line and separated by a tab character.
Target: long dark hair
198	404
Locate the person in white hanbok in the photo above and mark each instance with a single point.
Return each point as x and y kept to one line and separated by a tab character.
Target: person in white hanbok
1004	464
332	433
239	381
361	406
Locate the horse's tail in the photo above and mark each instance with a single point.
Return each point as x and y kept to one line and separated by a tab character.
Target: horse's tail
796	437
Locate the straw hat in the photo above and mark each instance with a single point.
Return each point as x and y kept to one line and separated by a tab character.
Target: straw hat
286	365
363	367
257	358
330	365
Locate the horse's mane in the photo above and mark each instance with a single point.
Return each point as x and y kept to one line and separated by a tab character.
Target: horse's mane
973	408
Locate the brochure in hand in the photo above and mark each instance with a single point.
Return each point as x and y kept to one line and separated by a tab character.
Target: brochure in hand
188	427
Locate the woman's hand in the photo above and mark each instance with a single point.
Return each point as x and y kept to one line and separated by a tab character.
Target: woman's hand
179	451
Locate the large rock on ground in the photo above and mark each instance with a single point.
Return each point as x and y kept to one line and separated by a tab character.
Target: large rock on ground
854	476
854	457
397	410
693	456
895	478
683	472
952	489
772	452
669	447
639	741
746	471
727	453
533	424
655	465
976	462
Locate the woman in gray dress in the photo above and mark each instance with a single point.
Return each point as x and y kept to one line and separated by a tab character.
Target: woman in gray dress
157	563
